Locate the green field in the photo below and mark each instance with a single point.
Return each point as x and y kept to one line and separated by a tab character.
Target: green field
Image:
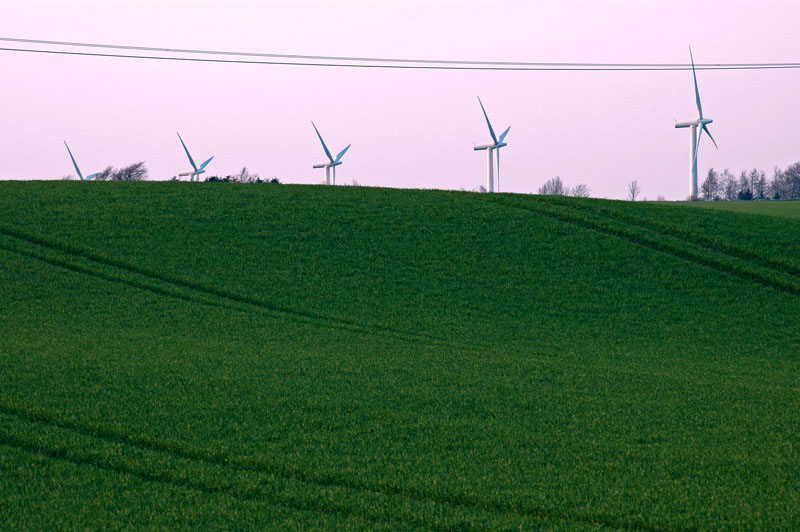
249	357
790	209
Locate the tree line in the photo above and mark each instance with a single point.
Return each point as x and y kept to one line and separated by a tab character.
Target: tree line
138	172
752	185
244	176
556	187
132	172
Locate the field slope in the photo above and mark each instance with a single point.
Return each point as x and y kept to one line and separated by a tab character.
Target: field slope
789	209
216	356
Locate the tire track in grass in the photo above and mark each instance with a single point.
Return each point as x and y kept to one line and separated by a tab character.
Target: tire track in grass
244	494
247	486
330	480
112	278
712	244
176	287
665	243
166	291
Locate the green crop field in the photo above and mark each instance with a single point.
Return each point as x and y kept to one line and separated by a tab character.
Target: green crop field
249	357
789	209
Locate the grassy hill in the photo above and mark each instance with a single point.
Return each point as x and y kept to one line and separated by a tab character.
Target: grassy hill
790	209
247	357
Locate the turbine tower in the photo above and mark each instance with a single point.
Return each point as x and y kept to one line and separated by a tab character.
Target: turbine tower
490	148
88	177
332	163
701	123
197	171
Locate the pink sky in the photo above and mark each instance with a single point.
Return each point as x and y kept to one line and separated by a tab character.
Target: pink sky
407	128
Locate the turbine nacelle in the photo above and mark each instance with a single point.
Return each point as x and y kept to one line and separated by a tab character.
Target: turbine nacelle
696	123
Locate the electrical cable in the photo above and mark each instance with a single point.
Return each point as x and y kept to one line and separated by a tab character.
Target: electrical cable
376	62
404	66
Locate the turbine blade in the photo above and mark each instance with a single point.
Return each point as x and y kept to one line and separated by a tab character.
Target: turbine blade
90	177
187	153
503	134
73	161
324	147
341	153
696	90
202	166
491	131
705	128
697	146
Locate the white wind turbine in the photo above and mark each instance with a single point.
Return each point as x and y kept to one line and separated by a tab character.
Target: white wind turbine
700	122
490	148
197	171
332	163
88	177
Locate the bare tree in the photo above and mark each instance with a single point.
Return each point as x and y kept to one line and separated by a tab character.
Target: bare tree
132	172
775	184
553	187
786	184
730	187
580	191
245	177
633	190
744	194
758	183
107	174
792	176
711	186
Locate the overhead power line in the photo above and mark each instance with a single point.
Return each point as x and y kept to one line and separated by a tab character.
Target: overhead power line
366	62
373	59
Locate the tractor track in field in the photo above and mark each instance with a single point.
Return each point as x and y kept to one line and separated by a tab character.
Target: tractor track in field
740	265
688	236
241	494
111	278
320	480
190	291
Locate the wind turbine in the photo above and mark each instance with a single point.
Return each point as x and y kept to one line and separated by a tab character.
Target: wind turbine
88	177
490	148
197	171
333	163
700	122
